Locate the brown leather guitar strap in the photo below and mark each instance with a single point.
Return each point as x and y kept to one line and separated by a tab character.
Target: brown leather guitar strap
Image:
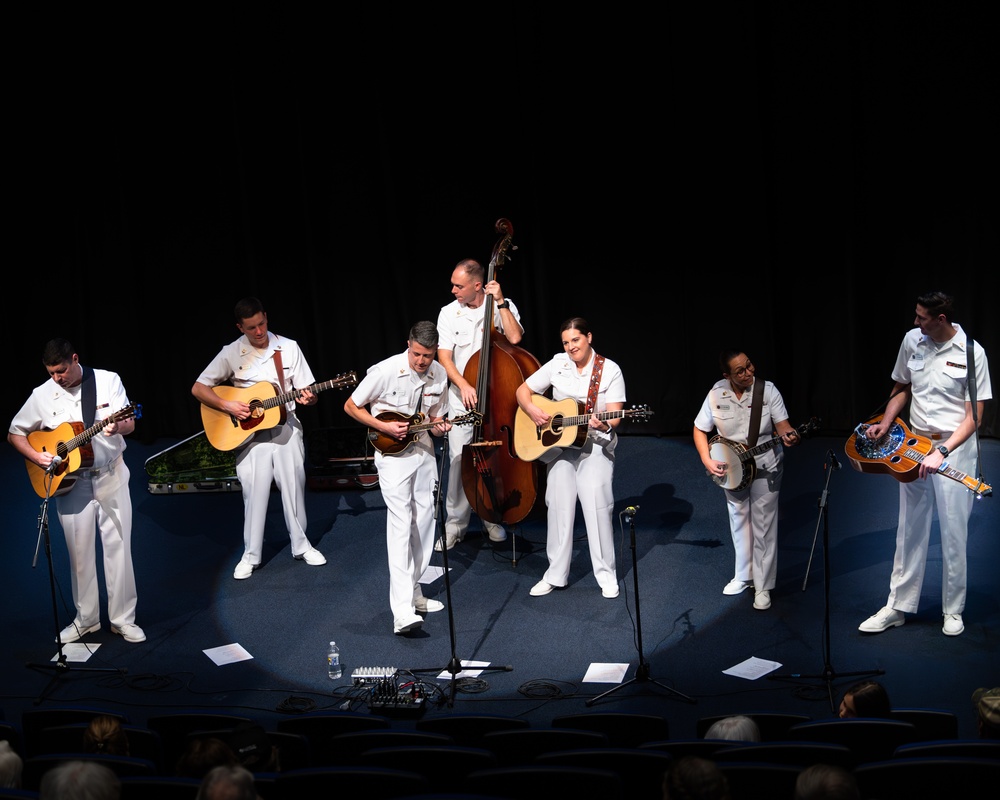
595	383
281	371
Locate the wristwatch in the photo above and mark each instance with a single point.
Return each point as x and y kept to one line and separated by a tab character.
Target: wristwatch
944	450
504	304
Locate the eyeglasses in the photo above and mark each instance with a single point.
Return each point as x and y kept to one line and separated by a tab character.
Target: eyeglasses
739	372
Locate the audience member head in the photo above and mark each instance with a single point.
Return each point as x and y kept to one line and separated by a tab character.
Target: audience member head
202	754
11	766
987	703
253	748
738	728
826	782
104	734
694	778
80	780
866	699
227	783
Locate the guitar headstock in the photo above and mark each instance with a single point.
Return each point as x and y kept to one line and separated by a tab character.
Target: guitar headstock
810	426
642	413
129	411
345	380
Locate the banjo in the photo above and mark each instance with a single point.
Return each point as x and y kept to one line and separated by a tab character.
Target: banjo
741	468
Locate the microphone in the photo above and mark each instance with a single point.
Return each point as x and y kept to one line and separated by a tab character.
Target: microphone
631	511
833	460
56	461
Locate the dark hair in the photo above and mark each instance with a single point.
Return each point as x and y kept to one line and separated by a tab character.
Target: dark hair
575	323
424	333
694	778
57	351
247	307
870	699
725	357
472	268
201	754
937	303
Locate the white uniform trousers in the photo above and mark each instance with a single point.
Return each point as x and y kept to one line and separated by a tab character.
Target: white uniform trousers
585	475
753	523
100	502
917	501
278	455
407	482
457	508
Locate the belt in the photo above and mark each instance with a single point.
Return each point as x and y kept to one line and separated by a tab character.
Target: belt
109	467
937	437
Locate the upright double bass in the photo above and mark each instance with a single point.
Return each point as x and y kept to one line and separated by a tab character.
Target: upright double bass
501	488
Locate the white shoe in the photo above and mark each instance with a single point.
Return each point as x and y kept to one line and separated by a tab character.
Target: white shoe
610	592
427	605
407	624
762	600
882	620
75	631
244	570
313	557
130	632
452	540
541	588
953	624
735	586
496	533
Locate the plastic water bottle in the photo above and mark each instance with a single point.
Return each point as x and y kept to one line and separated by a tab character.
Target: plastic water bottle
333	661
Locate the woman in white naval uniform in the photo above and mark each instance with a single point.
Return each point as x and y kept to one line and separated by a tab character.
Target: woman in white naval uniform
406	383
753	512
582	474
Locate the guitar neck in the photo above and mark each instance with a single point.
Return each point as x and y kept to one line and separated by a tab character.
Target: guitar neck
582	419
287	397
949	471
85	436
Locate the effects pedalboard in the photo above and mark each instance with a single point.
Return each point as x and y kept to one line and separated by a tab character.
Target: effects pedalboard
387	697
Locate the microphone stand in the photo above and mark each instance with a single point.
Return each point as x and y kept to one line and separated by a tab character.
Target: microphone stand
642	671
454	664
60	666
829	675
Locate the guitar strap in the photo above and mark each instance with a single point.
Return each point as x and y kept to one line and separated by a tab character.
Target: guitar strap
970	358
88	396
281	371
756	403
595	383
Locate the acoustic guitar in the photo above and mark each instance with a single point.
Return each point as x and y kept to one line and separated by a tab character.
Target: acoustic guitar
388	446
567	427
899	453
70	443
741	469
267	409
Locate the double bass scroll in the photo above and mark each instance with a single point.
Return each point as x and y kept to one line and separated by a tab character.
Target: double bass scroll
500	487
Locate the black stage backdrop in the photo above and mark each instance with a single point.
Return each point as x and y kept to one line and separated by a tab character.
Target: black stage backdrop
784	178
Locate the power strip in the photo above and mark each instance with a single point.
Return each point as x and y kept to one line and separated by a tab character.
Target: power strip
365	676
